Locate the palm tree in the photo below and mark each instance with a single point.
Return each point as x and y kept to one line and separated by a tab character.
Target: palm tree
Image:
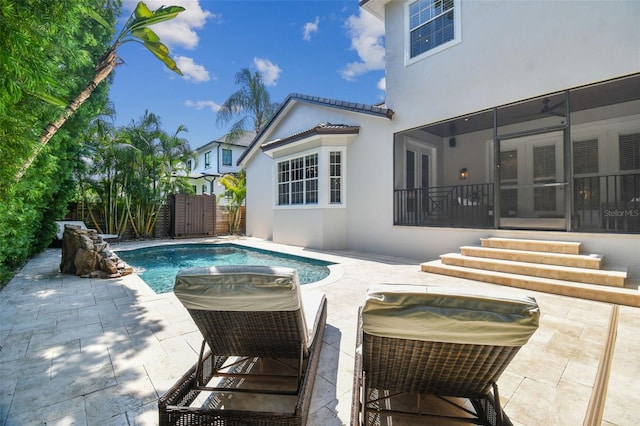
252	103
135	30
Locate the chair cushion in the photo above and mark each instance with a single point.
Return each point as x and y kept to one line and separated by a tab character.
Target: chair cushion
452	315
239	288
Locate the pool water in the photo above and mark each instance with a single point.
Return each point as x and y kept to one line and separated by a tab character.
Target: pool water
158	266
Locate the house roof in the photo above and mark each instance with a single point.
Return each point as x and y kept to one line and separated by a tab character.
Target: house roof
321	129
376	110
375	7
244	141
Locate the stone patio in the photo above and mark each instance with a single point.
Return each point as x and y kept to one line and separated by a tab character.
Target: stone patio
101	351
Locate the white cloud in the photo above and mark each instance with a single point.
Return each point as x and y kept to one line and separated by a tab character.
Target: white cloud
367	39
310	27
382	84
180	31
269	71
190	70
199	105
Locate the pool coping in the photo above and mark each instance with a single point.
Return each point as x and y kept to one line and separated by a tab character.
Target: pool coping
336	271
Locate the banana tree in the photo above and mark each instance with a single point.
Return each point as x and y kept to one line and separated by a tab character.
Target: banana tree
135	30
236	186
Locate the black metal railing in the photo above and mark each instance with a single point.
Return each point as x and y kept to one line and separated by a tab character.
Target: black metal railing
464	206
609	203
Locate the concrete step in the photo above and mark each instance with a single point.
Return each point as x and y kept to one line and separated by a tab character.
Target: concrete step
582	275
591	261
628	296
566	247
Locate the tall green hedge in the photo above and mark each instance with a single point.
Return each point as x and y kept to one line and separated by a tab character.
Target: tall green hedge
46	47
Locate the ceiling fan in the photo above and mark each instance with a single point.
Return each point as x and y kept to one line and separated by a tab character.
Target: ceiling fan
550	110
545	110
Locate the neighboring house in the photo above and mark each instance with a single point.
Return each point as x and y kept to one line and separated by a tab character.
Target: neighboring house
215	159
515	119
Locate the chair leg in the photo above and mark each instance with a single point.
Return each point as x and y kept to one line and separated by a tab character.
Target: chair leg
200	367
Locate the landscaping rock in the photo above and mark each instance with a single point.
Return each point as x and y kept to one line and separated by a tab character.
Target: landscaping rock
86	254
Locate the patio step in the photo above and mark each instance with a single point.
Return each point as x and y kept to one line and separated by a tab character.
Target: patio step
565	273
549	266
591	261
628	295
566	247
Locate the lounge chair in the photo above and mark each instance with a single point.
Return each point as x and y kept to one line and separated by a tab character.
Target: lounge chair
62	223
264	339
435	352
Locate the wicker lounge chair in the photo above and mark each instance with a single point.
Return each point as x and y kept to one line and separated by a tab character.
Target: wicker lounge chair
436	353
264	338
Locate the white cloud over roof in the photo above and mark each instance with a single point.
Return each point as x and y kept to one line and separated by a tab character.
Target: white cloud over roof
269	71
367	39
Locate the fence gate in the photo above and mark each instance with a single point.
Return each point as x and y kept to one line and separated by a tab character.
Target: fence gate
193	215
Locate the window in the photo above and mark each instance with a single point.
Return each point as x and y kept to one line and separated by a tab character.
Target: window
226	157
204	189
630	152
630	162
189	165
431	24
544	171
298	180
509	176
335	177
207	159
586	167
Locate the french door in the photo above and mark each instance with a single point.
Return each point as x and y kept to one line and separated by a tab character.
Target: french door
533	182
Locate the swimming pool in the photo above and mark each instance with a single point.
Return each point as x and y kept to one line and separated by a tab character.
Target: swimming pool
158	266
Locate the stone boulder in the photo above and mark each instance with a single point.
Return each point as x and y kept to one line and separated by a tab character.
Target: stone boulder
86	254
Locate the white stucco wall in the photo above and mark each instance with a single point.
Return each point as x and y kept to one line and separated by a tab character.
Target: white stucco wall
510	50
316	226
259	201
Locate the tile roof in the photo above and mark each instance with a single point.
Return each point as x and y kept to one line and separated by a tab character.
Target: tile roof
375	110
245	140
321	129
350	106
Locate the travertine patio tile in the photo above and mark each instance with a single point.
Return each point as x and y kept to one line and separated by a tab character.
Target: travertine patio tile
67	412
51	338
100	352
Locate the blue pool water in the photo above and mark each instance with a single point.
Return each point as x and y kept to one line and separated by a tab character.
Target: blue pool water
158	266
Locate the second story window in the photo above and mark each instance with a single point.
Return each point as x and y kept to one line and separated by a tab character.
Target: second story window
207	159
189	165
226	157
431	24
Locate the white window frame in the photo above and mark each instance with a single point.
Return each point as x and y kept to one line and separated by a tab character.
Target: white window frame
323	179
457	34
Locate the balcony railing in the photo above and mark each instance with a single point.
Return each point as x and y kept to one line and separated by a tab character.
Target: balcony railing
608	203
464	206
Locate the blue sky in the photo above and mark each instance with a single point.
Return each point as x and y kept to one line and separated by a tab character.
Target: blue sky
326	48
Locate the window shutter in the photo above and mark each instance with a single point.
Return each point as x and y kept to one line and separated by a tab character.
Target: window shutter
544	162
585	157
630	151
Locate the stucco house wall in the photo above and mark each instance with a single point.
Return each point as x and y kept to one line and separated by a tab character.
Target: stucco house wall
509	50
567	44
323	225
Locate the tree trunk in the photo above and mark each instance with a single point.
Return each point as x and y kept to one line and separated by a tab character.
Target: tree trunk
106	64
